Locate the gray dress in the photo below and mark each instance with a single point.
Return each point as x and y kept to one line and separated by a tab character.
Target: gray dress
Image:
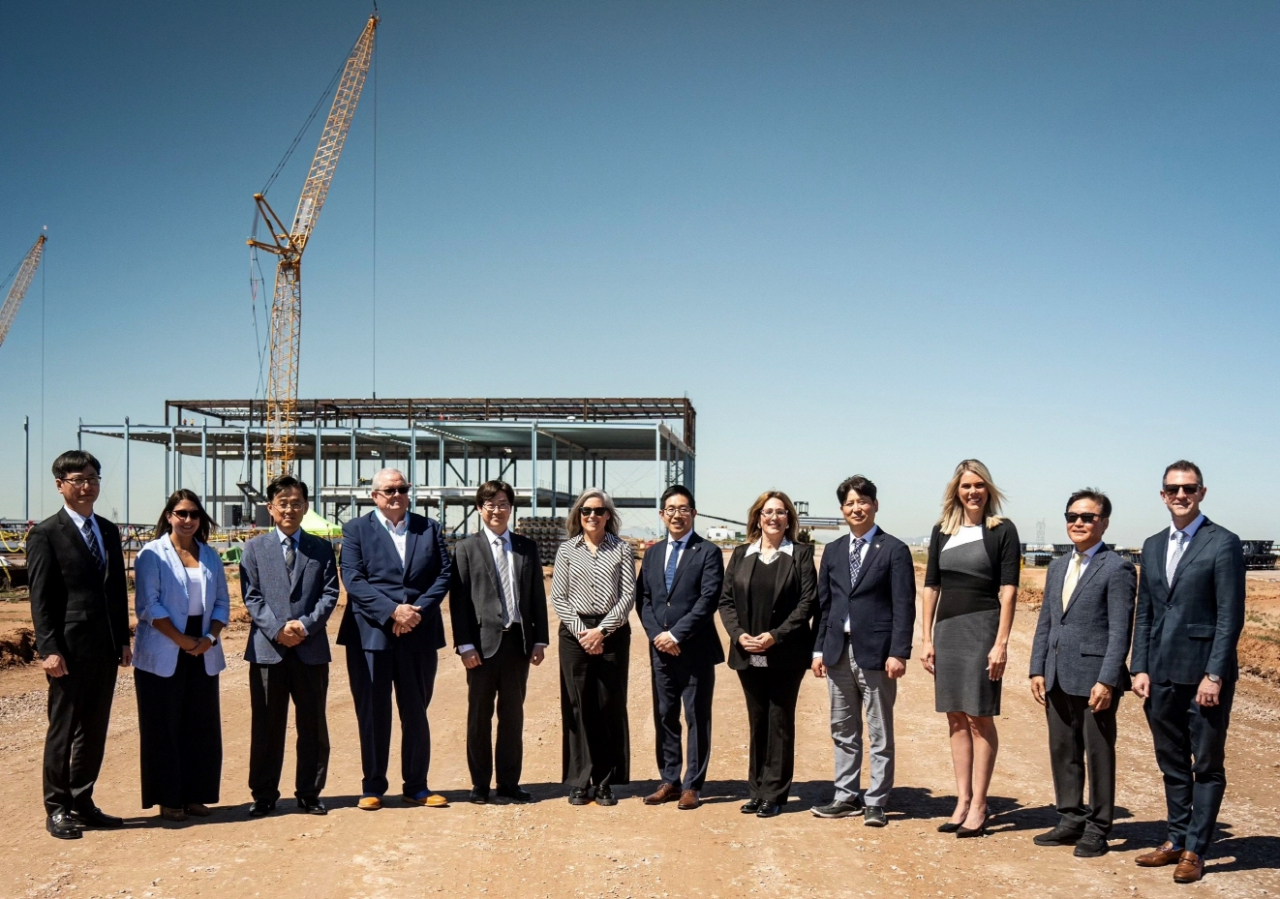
964	630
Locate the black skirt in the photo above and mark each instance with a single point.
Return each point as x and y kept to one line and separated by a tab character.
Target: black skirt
180	732
596	742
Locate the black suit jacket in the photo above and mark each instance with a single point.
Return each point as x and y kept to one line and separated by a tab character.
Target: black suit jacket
881	609
475	602
79	612
791	608
688	611
1185	630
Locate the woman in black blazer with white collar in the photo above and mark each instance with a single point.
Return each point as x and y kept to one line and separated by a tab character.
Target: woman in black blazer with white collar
770	598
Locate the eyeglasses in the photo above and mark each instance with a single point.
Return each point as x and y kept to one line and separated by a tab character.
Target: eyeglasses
185	514
402	490
774	513
677	511
593	511
290	507
496	507
81	482
1086	517
1188	489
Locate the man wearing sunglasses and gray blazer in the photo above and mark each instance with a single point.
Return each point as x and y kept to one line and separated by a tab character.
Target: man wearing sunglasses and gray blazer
1078	673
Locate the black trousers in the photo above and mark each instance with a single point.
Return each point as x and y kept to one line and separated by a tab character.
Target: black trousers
1190	742
501	679
373	673
679	682
1077	735
79	711
270	689
596	739
179	733
771	713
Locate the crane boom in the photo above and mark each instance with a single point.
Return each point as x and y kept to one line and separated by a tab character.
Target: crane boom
289	244
26	272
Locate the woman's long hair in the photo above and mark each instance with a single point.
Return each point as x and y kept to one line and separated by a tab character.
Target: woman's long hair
206	523
953	510
573	524
753	515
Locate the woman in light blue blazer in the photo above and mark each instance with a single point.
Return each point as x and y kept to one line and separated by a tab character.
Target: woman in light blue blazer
182	606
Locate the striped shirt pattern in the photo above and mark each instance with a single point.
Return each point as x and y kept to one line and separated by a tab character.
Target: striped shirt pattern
594	584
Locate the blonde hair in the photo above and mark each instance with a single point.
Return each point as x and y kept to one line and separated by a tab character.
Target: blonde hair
952	509
753	515
573	524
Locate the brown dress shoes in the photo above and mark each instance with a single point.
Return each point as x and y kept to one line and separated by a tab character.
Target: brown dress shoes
689	801
1158	858
665	793
1190	868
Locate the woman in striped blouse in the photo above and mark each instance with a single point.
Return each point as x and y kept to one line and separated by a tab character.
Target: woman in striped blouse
593	589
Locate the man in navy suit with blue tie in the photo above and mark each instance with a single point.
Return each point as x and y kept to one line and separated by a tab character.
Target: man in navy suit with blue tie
396	570
676	594
867	614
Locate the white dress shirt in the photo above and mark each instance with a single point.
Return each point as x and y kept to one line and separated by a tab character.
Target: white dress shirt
1172	547
399	532
79	521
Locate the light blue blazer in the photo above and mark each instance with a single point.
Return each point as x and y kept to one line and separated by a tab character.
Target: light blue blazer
161	592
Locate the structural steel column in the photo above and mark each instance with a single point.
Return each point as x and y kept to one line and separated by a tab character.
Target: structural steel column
127	519
444	476
413	466
317	484
657	455
533	457
204	463
555	493
355	476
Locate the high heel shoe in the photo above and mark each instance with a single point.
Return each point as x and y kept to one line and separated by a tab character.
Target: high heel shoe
948	827
963	832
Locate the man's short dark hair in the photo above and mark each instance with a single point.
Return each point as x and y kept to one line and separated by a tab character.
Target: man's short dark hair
859	485
489	489
1094	495
676	490
1184	465
73	462
284	482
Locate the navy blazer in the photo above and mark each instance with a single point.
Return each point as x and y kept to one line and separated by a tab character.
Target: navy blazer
376	583
1088	643
1185	630
881	608
273	598
688	611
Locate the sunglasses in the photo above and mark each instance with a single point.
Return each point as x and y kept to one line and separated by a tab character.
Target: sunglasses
1086	517
1175	489
593	511
185	515
403	490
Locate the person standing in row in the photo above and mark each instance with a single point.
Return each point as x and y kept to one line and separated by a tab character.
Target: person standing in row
770	598
182	605
866	619
1078	673
1190	614
970	591
593	589
396	569
80	612
498	609
289	581
677	591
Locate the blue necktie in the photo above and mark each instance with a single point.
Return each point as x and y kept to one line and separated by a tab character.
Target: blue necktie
672	562
92	540
855	561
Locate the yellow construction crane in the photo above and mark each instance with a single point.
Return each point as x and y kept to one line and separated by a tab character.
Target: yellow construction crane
26	271
289	244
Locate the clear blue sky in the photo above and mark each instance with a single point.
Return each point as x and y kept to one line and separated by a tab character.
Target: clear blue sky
862	237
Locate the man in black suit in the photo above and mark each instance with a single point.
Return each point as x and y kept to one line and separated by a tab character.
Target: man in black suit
1078	673
867	613
80	609
498	610
1189	618
677	593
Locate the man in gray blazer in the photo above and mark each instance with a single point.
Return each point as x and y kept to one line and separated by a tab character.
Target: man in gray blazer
289	582
498	610
1190	614
1078	673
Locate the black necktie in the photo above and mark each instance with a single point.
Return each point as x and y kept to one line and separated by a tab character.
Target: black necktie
92	539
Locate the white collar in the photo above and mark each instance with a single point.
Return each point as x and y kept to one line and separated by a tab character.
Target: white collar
1189	530
865	538
505	536
683	541
78	518
787	547
398	529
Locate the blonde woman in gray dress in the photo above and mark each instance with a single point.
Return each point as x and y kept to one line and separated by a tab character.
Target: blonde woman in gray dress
970	590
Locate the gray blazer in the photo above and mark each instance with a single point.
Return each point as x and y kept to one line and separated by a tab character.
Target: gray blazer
273	599
476	606
1088	643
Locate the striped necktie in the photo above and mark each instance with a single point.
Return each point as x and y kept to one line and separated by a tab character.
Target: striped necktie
92	540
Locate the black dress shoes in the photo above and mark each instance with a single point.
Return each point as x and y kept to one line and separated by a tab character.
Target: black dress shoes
604	796
63	826
1091	845
261	809
837	808
312	806
1059	836
768	810
514	794
579	796
96	817
751	806
478	796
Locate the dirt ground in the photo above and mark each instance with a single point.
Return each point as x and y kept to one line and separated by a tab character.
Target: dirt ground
550	849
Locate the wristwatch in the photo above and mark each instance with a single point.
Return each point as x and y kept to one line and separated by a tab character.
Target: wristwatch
1213	678
213	641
